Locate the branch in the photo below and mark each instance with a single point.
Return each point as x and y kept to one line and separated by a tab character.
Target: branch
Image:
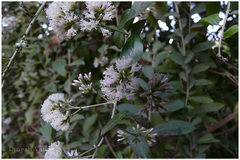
18	49
222	32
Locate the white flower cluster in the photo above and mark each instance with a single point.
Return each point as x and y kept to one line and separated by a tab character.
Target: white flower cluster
100	61
9	24
51	112
114	83
54	151
96	13
62	18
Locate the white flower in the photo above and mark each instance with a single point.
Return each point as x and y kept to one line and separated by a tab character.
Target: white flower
114	83
9	24
73	153
105	32
52	115
62	19
96	13
54	151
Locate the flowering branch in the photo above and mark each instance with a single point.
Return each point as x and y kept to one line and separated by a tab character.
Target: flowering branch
19	47
222	32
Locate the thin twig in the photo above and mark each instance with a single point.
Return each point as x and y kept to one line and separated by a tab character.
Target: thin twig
18	49
227	149
222	32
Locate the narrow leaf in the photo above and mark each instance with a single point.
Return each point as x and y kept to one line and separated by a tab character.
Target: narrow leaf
160	57
213	19
113	122
173	127
210	107
94	138
148	71
143	121
231	31
200	99
199	68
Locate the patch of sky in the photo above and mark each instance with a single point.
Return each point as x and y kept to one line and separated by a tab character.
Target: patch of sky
163	25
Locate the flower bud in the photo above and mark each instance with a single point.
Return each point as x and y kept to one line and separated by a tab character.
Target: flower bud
156	93
141	111
130	96
143	95
169	88
150	84
165	100
164	80
168	91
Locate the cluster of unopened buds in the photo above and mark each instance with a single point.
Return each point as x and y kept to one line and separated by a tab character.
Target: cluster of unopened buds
158	84
84	83
139	132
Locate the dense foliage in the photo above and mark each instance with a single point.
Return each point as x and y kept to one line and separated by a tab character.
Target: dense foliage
200	120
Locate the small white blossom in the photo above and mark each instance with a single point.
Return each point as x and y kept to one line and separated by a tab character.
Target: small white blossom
100	61
105	32
96	13
114	83
151	9
62	19
9	24
54	151
51	114
72	153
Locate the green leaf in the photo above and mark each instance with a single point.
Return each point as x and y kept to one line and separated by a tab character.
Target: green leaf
172	106
231	31
29	116
102	151
77	62
156	46
119	39
94	138
201	82
141	149
143	83
46	131
175	14
212	7
207	138
137	27
177	58
76	117
147	56
189	37
89	122
160	57
203	148
143	121
234	12
210	107
202	46
148	71
165	69
51	87
161	9
189	56
59	66
205	58
196	121
199	68
199	8
131	108
209	119
133	48
200	99
135	10
173	127
213	19
200	155
113	122
182	75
